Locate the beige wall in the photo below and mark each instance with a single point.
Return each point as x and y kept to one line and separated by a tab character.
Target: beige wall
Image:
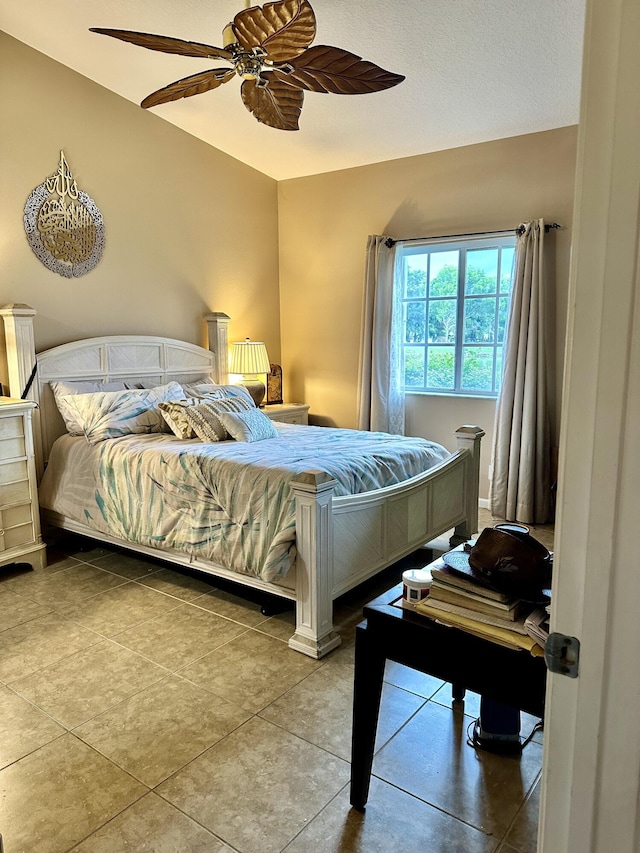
324	223
178	240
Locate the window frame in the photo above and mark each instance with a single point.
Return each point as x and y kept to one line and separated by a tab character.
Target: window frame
462	244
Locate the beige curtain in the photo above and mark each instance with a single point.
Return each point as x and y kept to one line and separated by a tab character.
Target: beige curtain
520	479
380	386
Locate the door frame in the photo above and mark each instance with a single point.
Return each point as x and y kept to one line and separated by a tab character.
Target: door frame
591	767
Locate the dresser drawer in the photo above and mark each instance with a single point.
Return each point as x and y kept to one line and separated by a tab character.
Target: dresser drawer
20	538
13	471
16	526
12	448
11	427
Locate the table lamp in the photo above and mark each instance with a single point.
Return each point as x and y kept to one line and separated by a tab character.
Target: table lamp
249	359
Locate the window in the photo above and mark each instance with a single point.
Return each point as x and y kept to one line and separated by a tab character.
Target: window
455	299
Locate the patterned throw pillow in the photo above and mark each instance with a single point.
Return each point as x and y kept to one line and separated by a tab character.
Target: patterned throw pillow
174	413
204	417
111	414
252	425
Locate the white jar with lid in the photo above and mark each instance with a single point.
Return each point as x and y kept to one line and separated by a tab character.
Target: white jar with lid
415	585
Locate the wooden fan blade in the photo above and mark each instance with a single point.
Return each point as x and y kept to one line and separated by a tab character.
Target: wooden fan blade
284	29
166	44
196	84
276	104
332	69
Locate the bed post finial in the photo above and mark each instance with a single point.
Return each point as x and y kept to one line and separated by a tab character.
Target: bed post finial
469	438
218	329
20	347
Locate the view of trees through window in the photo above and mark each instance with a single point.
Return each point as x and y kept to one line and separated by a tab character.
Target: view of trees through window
456	301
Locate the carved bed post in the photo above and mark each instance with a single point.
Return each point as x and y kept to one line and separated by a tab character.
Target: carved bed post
469	438
21	358
218	331
314	576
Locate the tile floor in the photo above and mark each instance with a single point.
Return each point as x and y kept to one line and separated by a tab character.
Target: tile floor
144	709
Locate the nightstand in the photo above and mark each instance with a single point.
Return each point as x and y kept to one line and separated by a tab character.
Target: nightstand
20	538
288	413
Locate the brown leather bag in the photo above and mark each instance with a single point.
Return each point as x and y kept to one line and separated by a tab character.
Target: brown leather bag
510	560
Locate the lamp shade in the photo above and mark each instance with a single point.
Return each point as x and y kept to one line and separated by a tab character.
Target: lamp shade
249	357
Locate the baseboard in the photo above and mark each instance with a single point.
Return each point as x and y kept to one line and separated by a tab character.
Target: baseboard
483	503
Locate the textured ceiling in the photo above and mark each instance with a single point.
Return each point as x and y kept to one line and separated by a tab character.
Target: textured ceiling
476	70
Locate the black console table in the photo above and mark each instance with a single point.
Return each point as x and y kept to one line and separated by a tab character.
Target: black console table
392	632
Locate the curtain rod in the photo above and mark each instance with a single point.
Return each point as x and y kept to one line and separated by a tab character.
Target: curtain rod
390	242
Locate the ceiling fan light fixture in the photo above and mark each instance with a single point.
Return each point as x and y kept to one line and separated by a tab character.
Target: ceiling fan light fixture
228	36
269	47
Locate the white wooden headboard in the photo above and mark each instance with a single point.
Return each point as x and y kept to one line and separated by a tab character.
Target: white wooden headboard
113	358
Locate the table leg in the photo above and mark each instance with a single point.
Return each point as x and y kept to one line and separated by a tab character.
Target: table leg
367	690
457	691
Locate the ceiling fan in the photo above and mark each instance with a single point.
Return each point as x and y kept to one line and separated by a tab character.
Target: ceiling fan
269	48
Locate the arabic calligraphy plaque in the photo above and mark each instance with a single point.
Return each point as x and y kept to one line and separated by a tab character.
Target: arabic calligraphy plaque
63	224
274	384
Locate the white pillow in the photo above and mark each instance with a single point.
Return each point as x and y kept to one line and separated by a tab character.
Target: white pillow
252	425
63	389
110	414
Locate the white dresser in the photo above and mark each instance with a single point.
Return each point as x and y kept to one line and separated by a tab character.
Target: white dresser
288	413
20	538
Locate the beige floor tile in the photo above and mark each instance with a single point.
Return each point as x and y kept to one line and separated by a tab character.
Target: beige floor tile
155	826
160	729
412	680
319	709
120	608
251	671
343	655
23	728
392	821
282	626
55	797
125	565
21	576
183	586
430	759
61	543
544	533
39	643
69	586
258	787
16	609
181	637
77	688
523	834
232	606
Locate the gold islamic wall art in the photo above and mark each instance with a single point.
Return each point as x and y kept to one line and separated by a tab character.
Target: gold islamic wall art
63	224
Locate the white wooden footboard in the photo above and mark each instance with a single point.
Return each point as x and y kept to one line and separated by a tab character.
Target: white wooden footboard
344	540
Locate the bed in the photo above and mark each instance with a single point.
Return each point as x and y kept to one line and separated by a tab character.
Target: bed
338	539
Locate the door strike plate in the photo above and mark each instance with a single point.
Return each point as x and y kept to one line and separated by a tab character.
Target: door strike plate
562	654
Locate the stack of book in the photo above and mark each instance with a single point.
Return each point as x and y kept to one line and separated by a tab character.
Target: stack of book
457	598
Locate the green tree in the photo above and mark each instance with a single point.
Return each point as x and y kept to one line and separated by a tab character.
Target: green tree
416	283
441	326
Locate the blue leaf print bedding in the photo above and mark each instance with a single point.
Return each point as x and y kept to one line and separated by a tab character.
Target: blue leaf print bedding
229	502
